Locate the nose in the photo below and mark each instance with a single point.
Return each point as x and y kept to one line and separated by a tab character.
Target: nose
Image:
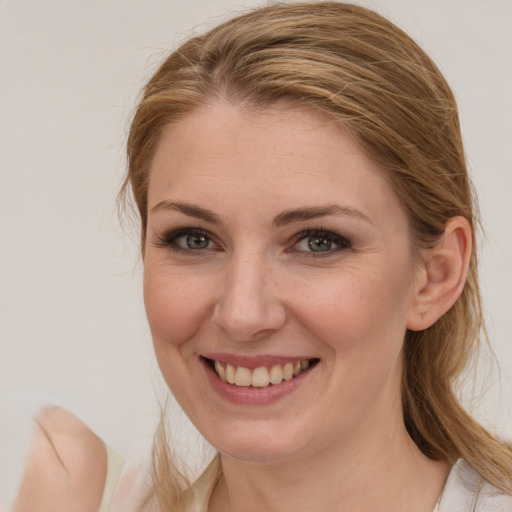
248	306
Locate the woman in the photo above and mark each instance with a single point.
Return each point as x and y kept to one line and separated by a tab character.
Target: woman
310	277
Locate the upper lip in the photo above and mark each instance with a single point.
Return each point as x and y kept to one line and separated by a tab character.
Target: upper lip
252	362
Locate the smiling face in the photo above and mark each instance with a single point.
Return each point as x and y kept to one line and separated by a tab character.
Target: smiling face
275	248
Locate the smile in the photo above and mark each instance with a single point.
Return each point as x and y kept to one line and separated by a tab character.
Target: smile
262	376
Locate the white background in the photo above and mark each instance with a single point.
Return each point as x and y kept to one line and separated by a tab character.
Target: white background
73	330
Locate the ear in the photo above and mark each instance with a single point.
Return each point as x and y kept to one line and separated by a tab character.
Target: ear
442	275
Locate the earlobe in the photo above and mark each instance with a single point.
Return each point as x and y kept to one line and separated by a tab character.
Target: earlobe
443	275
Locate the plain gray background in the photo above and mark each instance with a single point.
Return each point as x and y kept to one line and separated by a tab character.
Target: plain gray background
73	330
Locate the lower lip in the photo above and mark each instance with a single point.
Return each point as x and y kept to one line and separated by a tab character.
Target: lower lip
253	396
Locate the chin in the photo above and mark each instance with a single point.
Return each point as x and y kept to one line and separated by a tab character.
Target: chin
258	454
255	448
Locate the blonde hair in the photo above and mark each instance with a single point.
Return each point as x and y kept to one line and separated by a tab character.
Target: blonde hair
353	65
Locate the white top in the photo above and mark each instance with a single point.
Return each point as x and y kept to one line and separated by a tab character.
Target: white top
465	490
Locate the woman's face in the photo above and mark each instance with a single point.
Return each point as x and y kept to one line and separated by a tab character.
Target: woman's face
274	243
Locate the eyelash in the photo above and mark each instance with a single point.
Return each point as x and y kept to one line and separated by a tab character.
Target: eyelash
341	242
169	240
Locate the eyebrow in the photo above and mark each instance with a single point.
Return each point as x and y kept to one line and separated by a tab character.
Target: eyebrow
283	219
188	209
314	212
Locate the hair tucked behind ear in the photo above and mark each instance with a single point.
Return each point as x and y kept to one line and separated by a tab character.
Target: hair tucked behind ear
357	68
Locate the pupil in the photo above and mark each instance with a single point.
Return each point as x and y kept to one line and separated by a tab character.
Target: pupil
197	242
319	244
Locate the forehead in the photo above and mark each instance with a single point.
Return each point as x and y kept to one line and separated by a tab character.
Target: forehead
283	154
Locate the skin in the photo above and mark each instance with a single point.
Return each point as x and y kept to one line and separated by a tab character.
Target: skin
66	466
337	442
256	289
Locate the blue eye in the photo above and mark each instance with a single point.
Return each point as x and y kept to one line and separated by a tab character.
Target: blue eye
320	242
193	241
186	239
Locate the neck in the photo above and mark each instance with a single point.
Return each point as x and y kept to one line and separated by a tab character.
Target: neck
385	473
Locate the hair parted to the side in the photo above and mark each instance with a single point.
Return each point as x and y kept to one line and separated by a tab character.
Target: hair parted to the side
358	69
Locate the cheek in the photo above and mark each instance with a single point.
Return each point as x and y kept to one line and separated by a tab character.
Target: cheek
174	306
356	310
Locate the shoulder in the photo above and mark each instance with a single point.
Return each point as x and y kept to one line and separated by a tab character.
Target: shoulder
467	491
66	465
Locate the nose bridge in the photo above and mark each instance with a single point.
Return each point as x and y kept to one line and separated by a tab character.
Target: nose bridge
249	306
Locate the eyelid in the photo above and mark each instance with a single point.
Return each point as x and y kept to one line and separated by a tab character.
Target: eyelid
166	239
341	241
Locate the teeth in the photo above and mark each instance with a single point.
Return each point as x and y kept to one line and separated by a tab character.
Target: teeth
243	377
288	371
260	377
221	371
276	374
230	374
